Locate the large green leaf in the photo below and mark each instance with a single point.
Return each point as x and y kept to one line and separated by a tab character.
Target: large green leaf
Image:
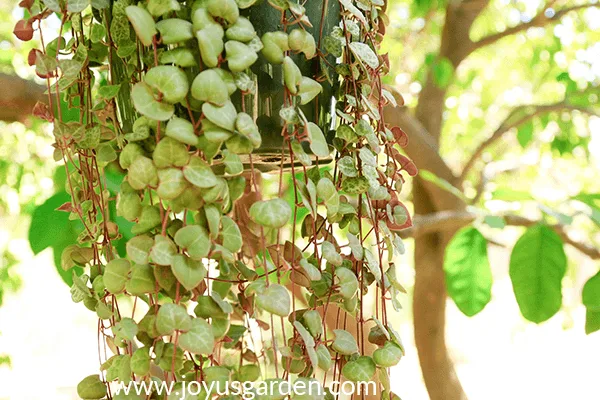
468	273
52	228
537	266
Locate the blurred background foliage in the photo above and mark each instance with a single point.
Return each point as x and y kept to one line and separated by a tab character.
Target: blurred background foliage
524	103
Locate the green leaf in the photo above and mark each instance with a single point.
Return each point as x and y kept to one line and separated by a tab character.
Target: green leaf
525	133
199	174
115	275
209	86
50	227
331	197
140	361
347	167
365	54
591	293
331	254
360	370
142	280
313	322
324	357
109	91
171	183
182	130
373	264
170	152
592	321
231	235
210	41
194	239
138	248
223	116
145	103
239	56
537	266
91	388
174	30
187	271
199	339
169	80
172	317
149	219
163	250
387	356
344	343
318	143
347	282
308	90
125	329
443	71
468	272
275	300
271	213
143	24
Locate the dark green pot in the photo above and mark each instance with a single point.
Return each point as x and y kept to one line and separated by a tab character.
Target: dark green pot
324	16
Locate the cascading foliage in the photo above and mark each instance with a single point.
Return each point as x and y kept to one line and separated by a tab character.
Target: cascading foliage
217	279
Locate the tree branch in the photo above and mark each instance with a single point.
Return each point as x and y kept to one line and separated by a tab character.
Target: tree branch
539	20
513	120
18	97
453	220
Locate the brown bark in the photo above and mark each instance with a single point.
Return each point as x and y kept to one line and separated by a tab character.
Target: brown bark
429	304
18	97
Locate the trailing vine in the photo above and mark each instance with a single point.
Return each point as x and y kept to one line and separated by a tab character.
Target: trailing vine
190	102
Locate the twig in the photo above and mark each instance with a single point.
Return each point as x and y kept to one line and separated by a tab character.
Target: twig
453	220
538	21
511	122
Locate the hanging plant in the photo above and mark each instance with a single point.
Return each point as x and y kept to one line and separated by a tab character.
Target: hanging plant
190	102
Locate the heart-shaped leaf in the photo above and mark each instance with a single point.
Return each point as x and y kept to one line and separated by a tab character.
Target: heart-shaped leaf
171	183
242	30
172	317
275	300
141	281
142	22
91	388
271	213
170	152
194	240
115	275
163	250
344	343
209	86
148	220
308	90
199	174
387	356
171	81
182	130
239	56
187	271
223	116
210	41
360	370
318	143
231	235
145	103
142	173
174	30
199	339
